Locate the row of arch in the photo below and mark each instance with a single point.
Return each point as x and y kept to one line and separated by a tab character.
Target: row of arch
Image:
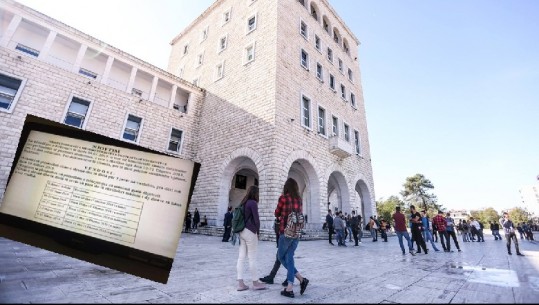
319	192
335	33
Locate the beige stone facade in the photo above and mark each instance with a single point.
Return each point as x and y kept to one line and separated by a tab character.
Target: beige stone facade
253	119
256	120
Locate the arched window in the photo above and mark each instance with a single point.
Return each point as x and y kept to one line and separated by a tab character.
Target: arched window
302	2
325	24
314	11
345	46
336	35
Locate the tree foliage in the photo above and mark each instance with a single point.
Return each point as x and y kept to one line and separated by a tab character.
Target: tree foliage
386	208
416	192
518	215
486	216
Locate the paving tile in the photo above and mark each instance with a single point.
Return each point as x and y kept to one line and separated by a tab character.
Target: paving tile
204	271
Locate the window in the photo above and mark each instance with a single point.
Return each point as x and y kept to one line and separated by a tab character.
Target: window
10	90
223	43
136	92
314	13
302	2
330	54
332	82
335	35
241	182
319	72
335	126
304	59
249	53
175	140
220	71
350	75
226	16
305	111
341	66
326	25
356	141
353	99
200	59
345	47
303	30
346	132
76	113
251	24
204	34
185	49
317	43
132	128
343	92
27	50
321	121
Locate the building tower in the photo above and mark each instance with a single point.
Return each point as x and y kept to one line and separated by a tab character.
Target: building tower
283	99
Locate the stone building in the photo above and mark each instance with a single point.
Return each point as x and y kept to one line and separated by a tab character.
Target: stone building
281	98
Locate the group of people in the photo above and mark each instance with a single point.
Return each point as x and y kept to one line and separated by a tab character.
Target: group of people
192	222
344	226
289	201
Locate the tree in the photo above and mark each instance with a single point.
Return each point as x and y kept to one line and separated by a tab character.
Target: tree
486	216
416	192
519	215
386	208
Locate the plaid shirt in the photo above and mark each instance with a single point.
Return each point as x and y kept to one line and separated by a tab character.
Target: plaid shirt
439	221
286	205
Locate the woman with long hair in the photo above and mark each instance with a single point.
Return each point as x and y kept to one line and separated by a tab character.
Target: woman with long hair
249	239
289	201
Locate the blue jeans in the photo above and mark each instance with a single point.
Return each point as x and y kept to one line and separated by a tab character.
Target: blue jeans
400	234
285	253
340	237
427	236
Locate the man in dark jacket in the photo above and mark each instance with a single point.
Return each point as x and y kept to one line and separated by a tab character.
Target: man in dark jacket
355	224
329	221
227	224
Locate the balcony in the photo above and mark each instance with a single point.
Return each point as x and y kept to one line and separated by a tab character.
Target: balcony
340	147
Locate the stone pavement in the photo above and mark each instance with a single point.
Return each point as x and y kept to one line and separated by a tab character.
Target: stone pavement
204	271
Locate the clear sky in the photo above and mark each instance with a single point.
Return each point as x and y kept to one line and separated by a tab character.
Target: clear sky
451	88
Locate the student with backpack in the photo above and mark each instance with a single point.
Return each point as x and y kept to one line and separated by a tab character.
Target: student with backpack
289	211
246	221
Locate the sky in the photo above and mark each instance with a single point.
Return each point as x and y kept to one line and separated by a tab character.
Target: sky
451	88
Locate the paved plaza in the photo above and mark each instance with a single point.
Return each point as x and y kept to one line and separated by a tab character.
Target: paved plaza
204	271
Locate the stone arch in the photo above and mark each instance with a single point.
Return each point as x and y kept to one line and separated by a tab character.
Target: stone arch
337	185
241	159
301	166
365	197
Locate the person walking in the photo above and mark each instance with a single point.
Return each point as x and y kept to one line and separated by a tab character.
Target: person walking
427	233
450	228
289	201
495	228
415	218
399	223
355	225
440	223
249	240
329	222
373	226
509	229
227	223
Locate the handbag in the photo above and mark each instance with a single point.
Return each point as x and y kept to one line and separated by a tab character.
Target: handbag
294	225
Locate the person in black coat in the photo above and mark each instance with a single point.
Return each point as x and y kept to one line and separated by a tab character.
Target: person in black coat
228	224
187	222
196	219
329	221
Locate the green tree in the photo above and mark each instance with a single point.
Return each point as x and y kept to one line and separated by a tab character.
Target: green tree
386	208
519	215
486	216
416	192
